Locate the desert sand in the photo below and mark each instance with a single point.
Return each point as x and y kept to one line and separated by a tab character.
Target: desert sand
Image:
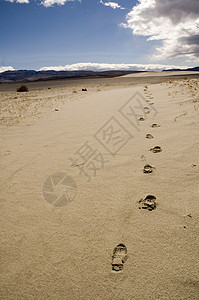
72	188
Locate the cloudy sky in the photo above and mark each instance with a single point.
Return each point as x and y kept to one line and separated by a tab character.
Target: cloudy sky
98	34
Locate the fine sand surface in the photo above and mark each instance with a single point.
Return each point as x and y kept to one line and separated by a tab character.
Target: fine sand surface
59	250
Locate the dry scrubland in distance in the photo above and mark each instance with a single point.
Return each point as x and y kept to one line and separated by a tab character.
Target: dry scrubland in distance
132	232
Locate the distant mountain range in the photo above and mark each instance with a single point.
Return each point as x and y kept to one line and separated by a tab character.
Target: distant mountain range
31	75
25	76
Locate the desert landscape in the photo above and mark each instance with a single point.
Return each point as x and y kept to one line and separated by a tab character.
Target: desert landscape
99	188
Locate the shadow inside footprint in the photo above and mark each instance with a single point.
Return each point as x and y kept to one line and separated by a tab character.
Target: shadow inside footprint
148	169
148	203
141	119
119	257
149	136
156	149
155	125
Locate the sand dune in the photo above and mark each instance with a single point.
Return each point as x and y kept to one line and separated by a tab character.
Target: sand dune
163	73
87	210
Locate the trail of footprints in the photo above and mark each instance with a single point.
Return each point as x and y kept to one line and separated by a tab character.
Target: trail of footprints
149	202
119	256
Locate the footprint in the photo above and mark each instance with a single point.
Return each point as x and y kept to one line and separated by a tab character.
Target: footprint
141	119
148	169
149	136
155	125
119	257
146	110
156	149
148	203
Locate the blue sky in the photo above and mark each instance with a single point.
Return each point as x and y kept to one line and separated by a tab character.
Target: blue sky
33	36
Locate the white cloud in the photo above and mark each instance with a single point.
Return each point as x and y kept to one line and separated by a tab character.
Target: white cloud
19	1
9	68
23	1
112	4
48	3
174	22
107	67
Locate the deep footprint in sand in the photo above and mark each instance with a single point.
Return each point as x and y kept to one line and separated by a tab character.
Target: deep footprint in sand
155	125
141	119
148	169
119	257
156	149
148	203
149	136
